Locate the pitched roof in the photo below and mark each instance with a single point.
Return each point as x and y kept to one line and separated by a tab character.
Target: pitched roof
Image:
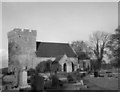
47	49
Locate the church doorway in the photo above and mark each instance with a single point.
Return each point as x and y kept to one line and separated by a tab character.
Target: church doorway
64	67
72	67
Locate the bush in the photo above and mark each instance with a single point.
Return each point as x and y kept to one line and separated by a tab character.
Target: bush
44	66
8	78
76	76
79	76
55	67
40	68
55	81
48	66
9	81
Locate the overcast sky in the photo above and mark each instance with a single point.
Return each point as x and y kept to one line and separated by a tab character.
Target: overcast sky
59	22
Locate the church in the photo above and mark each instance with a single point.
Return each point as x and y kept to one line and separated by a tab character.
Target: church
25	52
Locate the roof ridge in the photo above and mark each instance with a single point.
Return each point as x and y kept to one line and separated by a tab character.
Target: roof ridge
54	42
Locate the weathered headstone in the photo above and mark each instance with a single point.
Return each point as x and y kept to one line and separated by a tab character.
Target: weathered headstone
24	78
23	81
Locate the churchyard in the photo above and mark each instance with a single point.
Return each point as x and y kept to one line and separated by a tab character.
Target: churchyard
108	80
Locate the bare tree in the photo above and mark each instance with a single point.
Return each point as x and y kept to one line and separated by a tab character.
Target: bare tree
98	42
81	48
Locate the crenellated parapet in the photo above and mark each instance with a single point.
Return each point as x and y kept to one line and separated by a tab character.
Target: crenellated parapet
21	32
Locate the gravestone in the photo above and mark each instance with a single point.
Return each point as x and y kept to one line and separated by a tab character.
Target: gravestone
24	78
23	81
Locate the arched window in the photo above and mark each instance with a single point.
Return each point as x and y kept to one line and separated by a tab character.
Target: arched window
64	67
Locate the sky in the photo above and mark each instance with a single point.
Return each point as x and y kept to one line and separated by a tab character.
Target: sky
60	21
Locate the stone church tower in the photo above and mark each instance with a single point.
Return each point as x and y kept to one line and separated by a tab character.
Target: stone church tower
21	46
21	50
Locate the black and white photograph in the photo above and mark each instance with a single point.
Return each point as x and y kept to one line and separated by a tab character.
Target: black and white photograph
59	46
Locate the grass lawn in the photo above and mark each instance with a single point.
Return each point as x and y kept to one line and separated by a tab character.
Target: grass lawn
101	83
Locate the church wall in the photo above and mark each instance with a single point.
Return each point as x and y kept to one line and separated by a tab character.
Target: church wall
21	52
68	62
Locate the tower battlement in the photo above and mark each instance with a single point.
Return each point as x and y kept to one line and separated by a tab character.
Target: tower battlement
23	32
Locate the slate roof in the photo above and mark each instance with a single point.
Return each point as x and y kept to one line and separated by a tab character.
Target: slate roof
48	49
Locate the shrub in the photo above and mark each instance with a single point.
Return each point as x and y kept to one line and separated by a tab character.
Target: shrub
78	76
40	68
55	81
9	81
55	67
48	66
8	78
44	66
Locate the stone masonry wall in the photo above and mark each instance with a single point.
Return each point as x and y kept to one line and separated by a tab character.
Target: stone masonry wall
21	47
